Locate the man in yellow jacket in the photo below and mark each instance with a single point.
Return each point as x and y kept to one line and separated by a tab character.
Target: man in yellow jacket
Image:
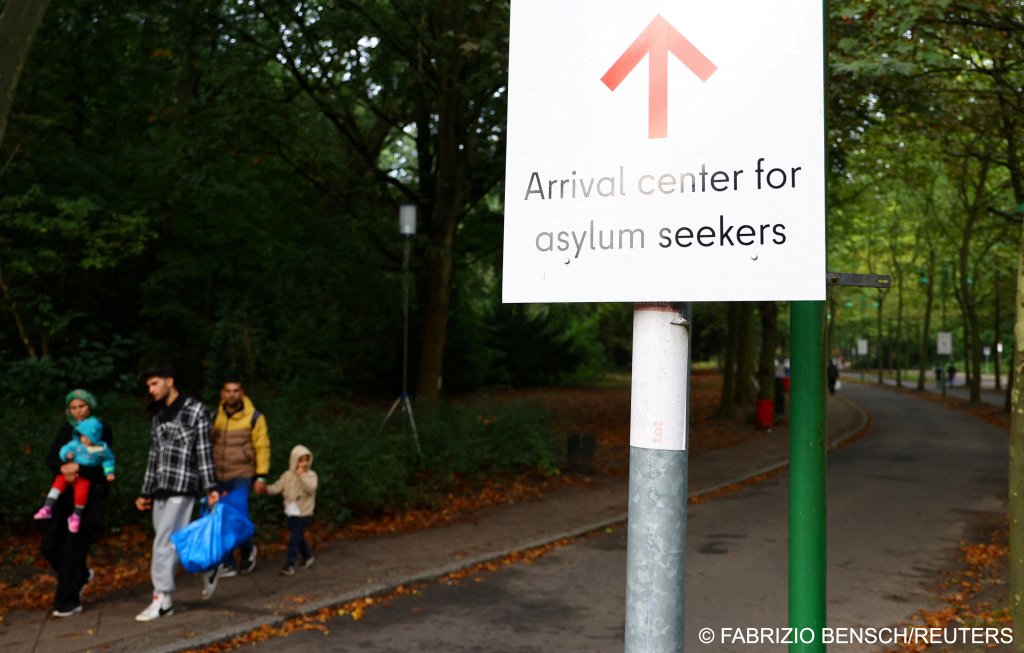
241	455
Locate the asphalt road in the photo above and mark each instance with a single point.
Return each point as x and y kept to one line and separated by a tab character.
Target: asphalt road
899	503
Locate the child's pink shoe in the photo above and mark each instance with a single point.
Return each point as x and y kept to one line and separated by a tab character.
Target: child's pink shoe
74	523
43	513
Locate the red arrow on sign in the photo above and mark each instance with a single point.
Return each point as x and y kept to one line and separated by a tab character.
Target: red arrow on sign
656	41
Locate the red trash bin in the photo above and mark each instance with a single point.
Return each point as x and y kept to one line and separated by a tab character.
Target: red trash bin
765	413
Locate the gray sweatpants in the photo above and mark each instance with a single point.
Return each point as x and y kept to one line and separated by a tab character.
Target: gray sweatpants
169	515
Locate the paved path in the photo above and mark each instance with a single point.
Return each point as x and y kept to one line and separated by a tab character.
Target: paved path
352	569
899	503
959	389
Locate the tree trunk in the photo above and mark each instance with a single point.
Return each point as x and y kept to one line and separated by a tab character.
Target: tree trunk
972	337
727	403
1015	507
438	284
451	181
746	357
878	348
898	337
996	355
1015	390
12	304
924	344
19	23
769	312
1008	395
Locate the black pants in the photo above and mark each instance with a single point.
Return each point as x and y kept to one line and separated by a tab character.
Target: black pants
68	555
297	539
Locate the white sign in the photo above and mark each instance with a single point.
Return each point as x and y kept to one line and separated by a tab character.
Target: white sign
944	343
665	150
987	351
862	347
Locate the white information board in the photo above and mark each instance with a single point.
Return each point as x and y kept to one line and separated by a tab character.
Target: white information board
862	347
944	343
662	151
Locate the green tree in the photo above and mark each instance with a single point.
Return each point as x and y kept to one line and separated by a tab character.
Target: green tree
423	81
19	21
42	242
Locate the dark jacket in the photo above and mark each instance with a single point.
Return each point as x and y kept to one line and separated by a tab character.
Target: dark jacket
98	488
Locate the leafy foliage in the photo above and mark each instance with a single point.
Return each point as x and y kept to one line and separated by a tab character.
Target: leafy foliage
364	469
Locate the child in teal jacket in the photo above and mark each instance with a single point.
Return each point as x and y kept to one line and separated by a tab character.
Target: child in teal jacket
85	448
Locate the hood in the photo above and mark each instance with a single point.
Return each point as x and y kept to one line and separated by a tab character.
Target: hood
297	452
91	428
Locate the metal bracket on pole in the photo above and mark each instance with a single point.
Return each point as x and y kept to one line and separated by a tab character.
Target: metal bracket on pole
861	280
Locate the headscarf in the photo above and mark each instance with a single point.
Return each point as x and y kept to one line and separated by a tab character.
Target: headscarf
85	396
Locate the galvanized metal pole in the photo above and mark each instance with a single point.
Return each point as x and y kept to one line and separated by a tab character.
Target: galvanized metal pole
657	478
807	475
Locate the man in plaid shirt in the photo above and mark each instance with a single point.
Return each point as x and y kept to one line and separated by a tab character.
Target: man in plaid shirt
179	469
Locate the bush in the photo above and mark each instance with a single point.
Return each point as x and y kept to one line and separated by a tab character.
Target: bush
363	469
367	470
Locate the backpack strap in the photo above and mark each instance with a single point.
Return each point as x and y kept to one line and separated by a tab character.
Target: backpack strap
255	418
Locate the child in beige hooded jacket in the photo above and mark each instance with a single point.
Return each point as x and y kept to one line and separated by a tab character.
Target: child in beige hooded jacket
298	489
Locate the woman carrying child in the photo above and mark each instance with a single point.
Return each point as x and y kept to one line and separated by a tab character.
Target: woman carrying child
68	552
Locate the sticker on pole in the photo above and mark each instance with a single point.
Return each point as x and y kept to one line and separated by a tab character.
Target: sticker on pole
660	151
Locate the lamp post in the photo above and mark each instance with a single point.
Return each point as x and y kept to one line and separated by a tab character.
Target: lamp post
406	229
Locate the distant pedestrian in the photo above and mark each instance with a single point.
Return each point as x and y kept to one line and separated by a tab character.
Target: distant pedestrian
178	470
67	552
241	455
298	489
938	375
832	374
951	374
88	449
780	387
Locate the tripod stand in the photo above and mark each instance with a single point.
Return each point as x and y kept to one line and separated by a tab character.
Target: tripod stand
403	400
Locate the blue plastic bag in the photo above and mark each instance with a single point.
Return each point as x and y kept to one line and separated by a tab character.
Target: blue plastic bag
203	543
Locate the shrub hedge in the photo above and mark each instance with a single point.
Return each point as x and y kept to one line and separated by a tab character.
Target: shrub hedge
364	469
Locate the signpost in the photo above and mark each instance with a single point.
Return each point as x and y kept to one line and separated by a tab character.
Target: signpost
698	177
944	347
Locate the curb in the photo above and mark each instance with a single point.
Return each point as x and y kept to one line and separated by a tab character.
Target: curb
238	629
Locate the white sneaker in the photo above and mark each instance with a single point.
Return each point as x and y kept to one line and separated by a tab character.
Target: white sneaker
210	579
249	562
160	607
68	613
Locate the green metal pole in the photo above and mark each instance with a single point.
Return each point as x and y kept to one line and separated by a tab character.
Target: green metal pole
807	476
